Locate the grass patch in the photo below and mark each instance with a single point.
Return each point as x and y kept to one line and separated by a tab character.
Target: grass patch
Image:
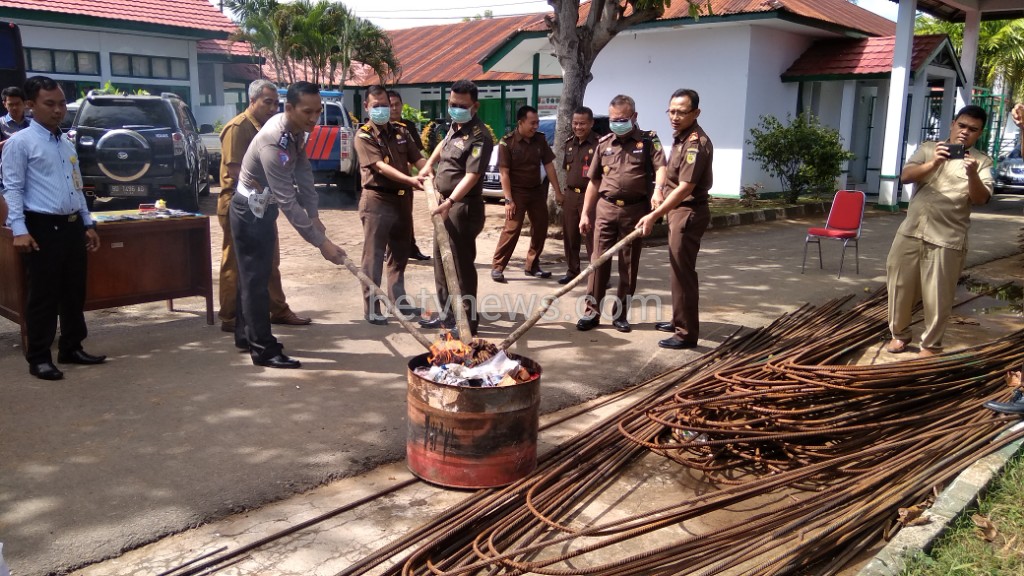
725	206
963	551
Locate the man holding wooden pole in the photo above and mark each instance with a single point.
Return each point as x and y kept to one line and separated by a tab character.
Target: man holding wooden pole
457	165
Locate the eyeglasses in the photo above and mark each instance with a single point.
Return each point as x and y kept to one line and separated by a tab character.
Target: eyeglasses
678	113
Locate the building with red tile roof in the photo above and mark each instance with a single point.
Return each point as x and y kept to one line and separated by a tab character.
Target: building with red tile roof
178	46
862	58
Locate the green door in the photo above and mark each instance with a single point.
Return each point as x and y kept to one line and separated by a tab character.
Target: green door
493	115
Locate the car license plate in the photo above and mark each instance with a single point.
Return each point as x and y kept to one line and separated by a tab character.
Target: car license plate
129	189
491	178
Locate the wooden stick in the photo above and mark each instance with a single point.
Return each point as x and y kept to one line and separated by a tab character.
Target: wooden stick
366	281
451	277
548	300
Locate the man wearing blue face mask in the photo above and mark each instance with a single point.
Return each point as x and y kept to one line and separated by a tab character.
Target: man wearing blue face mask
625	166
459	161
385	150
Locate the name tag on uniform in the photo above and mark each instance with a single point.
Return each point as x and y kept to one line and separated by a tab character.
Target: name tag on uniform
76	180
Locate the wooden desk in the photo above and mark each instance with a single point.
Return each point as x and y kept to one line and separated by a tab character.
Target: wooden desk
137	262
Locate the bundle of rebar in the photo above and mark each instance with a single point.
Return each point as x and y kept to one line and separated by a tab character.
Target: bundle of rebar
819	456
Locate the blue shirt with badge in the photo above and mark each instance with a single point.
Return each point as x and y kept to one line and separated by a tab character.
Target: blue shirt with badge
41	174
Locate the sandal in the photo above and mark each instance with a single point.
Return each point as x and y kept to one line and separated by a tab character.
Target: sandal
896	346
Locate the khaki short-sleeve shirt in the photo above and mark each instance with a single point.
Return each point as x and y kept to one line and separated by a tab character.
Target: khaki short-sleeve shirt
620	164
692	155
391	144
523	157
235	138
940	209
467	149
577	158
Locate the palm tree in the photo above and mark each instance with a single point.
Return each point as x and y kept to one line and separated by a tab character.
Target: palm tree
314	37
1000	51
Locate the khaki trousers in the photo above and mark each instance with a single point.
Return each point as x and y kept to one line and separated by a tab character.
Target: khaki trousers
572	239
532	204
919	271
228	291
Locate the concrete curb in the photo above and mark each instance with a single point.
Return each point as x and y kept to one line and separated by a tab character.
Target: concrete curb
953	502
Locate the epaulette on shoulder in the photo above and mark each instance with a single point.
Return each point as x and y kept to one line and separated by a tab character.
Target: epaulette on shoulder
607	136
366	127
650	134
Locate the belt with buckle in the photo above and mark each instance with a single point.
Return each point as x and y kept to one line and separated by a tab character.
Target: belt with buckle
577	190
73	217
399	192
247	189
623	201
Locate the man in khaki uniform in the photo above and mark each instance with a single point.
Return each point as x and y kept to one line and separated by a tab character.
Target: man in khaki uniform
928	253
235	138
395	100
688	180
625	164
459	163
385	150
521	153
579	151
276	176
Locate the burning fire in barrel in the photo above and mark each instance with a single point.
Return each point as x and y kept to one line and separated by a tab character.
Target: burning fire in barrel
472	415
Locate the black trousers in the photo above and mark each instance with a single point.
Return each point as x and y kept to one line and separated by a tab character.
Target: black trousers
56	286
464	223
255	240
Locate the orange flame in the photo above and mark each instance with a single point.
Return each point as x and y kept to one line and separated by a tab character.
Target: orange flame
449	350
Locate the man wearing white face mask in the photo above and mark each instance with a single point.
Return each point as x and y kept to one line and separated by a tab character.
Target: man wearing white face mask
626	164
459	161
385	150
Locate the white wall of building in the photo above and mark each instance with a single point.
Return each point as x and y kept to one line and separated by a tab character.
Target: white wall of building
772	52
55	36
734	68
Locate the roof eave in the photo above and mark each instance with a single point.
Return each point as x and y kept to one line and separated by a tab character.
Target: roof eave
93	21
832	77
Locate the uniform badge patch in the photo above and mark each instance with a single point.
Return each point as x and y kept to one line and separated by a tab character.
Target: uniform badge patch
639	145
691	156
365	135
283	157
657	145
607	169
477	148
283	141
694	137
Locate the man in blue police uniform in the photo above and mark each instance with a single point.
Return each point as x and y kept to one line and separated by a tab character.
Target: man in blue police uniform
52	228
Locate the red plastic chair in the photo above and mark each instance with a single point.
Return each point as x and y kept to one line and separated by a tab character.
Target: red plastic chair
844	223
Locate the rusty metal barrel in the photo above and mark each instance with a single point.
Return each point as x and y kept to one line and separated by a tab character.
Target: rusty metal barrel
466	437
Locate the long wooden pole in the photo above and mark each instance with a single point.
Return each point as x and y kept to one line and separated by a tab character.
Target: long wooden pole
451	277
366	281
548	300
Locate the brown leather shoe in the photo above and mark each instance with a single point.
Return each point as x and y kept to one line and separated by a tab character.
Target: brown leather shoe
228	326
291	319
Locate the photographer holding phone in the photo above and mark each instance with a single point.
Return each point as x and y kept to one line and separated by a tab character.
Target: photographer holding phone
930	247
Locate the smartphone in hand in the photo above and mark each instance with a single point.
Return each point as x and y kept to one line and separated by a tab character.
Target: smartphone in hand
956	151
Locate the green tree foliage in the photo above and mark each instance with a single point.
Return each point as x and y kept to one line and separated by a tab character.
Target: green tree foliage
311	40
804	155
1000	50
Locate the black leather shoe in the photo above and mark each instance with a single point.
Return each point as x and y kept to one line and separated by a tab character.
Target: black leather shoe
567	278
538	273
665	327
417	255
436	324
376	320
622	326
279	361
45	371
498	276
677	344
410	312
79	357
587	323
1014	406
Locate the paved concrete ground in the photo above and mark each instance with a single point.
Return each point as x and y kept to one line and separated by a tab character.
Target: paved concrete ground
178	429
